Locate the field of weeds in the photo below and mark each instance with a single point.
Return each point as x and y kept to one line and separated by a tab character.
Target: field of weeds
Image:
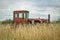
30	32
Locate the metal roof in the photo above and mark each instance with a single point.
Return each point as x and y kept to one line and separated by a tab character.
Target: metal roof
21	11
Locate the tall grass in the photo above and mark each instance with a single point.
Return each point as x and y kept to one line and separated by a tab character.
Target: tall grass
30	32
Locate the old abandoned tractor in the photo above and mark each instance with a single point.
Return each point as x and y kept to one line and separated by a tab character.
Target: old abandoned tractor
22	16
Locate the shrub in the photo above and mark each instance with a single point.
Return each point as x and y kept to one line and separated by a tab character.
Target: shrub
7	21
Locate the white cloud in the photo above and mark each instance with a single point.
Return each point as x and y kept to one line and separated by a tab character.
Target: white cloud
30	6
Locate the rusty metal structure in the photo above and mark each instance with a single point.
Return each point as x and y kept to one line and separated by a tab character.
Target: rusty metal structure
22	16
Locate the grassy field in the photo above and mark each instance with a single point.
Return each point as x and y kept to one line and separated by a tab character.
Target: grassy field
30	32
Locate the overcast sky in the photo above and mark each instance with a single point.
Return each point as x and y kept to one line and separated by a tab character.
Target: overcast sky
37	8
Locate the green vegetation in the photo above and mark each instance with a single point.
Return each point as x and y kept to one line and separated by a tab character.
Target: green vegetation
55	22
8	21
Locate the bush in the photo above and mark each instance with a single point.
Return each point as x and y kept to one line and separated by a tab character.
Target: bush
8	21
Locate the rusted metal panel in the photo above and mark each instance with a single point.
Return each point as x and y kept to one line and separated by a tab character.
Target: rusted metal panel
19	20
